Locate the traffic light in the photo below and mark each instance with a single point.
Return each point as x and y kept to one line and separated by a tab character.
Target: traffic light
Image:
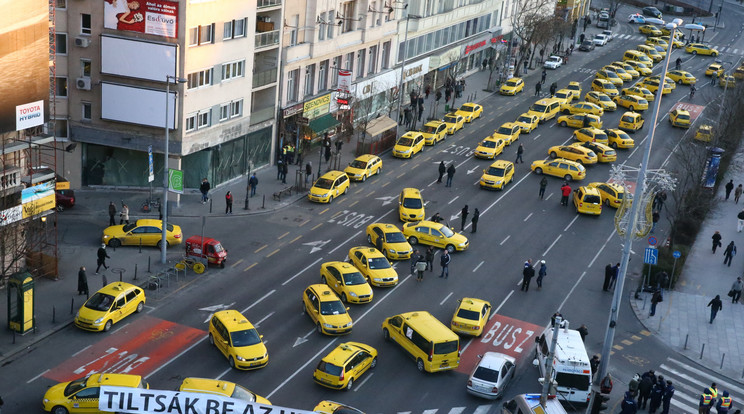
600	402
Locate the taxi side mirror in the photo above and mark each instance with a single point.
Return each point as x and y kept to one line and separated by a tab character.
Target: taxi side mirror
260	336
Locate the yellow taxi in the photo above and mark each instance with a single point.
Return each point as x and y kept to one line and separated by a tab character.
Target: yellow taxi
661	51
587	200
653	85
433	132
612	194
409	144
619	71
739	72
640	67
575	87
716	68
454	123
145	232
411	205
590	135
489	148
679	118
649	30
498	175
675	43
470	317
332	407
579	154
631	55
81	395
435	234
566	169
640	92
667	81
609	76
545	109
512	86
657	41
363	167
389	240
238	340
604	152
631	121
470	111
651	52
727	81
601	100
632	102
346	281
701	49
619	139
527	122
564	95
221	388
704	133
374	266
326	310
508	131
110	305
627	67
329	185
344	365
604	86
582	107
580	121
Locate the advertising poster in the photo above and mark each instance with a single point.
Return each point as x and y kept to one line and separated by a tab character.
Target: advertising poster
37	199
155	17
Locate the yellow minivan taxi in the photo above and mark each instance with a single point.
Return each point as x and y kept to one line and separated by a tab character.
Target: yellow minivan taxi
587	200
221	388
408	145
110	305
545	109
638	56
364	166
81	395
329	185
433	132
238	340
651	52
411	205
428	341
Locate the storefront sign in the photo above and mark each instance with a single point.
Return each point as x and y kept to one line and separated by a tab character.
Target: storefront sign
38	199
292	110
344	81
373	86
317	107
415	70
476	45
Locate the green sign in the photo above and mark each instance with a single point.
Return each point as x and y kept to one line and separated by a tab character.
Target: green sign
175	181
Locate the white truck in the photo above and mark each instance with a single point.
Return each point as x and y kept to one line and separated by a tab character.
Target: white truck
571	369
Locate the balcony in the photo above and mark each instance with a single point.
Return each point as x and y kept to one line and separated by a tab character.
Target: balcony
264	78
261	115
267	39
263	4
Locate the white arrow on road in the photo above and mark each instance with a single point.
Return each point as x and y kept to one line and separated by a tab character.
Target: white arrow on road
302	340
386	200
473	170
214	308
452	218
317	245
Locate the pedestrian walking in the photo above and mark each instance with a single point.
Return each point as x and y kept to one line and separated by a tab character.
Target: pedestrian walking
102	256
615	274
228	203
285	170
527	273
204	188
541	274
450	173
655	299
583	331
717	238
543	185
553	88
414	259
420	268
660	199
657	394
538	86
444	261
594	364
724	404
644	389
253	183
544	75
442	170
82	282
715	306
464	217
339	145
520	150
737	193
736	288
308	170
740	222
609	270
666	399
729	188
713	79
654	220
678	64
430	258
628	406
565	192
729	253
279	169
124	214
112	213
474	220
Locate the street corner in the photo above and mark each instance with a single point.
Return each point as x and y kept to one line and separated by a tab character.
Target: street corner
136	348
502	334
694	110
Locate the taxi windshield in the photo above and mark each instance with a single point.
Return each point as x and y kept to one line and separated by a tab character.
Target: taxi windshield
600	136
406	142
358	164
378	263
497	171
247	337
75	386
430	129
466	108
450	119
504	131
525	119
324	183
395	237
683	116
129	227
511	83
488	144
412	203
355	278
100	302
332	308
446	231
593	199
241	393
537	108
604	98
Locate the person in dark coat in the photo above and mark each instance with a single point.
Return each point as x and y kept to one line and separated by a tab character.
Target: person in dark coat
527	273
204	188
464	217
628	405
543	185
442	170
541	274
644	389
538	86
308	171
82	282
615	274
729	188
112	213
102	256
655	299
430	258
228	203
666	399
553	88
657	393
729	253
444	261
583	331
414	259
474	220
716	240
715	306
450	173
608	276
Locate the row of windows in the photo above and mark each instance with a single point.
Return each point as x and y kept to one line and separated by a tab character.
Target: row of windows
442	37
205	77
203	118
233	29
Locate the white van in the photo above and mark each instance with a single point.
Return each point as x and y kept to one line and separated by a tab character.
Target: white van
530	404
571	367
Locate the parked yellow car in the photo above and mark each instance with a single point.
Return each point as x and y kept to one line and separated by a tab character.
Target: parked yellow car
363	167
640	92
701	49
81	395
374	266
590	135
433	132
610	76
619	139
649	30
236	338
601	100
716	68
628	68
411	205
653	85
640	67
632	102
389	240
619	71
143	232
110	305
527	122
604	86
498	175
332	407
575	87
587	200
582	108
512	86
508	131
330	185
612	194
727	81
604	152
631	121
408	145
581	155
657	41
454	123
580	121
470	111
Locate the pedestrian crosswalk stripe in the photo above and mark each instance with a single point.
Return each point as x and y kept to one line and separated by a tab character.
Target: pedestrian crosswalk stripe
482	409
434	411
636	337
685	376
627	342
456	410
678	404
721	383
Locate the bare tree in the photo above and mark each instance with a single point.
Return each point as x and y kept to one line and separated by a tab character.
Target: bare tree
529	20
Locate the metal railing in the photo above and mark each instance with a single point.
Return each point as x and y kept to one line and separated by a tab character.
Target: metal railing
264	78
267	39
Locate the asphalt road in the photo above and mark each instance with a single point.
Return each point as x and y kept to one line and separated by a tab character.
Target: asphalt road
273	257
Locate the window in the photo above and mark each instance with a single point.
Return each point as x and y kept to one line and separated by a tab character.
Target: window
86	111
232	70
347	24
292	87
224	112
385	59
60	128
294	29
323	76
191	122
60	4
85	68
203	119
372	60
360	63
200	78
61	40
336	66
234	29
61	87
321	29
331	23
309	79
350	62
200	35
85	24
236	108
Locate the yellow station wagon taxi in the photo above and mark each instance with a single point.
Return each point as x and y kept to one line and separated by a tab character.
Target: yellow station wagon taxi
601	100
632	102
566	169
435	234
604	86
363	167
587	201
590	135
604	152
612	194
81	395
619	139
344	365
408	145
512	86
389	240
701	49
433	132
631	121
497	175
569	152
221	388
326	310
238	340
110	305
470	316
580	121
346	280
679	118
374	266
454	122
330	185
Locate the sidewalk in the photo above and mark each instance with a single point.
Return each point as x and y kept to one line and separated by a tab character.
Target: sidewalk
682	319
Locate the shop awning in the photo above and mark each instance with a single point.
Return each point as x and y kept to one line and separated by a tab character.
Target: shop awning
323	123
379	125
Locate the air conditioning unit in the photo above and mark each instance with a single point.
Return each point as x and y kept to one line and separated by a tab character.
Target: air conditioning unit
83	83
82	41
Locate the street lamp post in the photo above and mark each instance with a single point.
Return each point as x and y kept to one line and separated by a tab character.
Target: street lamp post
404	51
164	237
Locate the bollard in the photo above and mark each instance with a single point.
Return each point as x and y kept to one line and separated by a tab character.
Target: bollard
148	264
135	271
722	358
246	202
72	305
210	206
263	203
701	351
54	314
686	338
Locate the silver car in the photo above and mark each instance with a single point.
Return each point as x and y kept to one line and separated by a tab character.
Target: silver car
492	375
553	62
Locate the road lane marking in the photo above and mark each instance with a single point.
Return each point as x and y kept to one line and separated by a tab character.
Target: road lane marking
371	192
326	209
353	204
295	239
495	311
504	241
223	373
80	351
36	377
301	271
237	263
282	236
548	197
477	267
572	222
453	200
261	248
551	245
368	376
345	241
401	174
602	248
304	222
572	289
264	318
319	224
272	253
386	183
414	166
341	201
258	301
445	299
249	267
528	217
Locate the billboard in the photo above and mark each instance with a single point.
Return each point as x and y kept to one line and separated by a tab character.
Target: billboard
137	105
29	115
137	59
24	57
155	17
38	199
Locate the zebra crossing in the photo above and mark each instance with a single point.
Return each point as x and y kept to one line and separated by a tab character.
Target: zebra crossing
642	38
690	381
481	409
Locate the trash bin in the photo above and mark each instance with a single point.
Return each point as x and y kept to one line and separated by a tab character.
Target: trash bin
446	107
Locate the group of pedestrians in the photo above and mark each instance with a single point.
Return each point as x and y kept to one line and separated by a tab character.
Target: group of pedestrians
420	263
730	251
709	399
450	171
528	272
648	390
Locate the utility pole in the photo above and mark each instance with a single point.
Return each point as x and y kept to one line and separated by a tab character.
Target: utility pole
548	381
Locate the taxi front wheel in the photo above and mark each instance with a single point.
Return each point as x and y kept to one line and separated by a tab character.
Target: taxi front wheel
107	326
412	240
567	177
59	410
